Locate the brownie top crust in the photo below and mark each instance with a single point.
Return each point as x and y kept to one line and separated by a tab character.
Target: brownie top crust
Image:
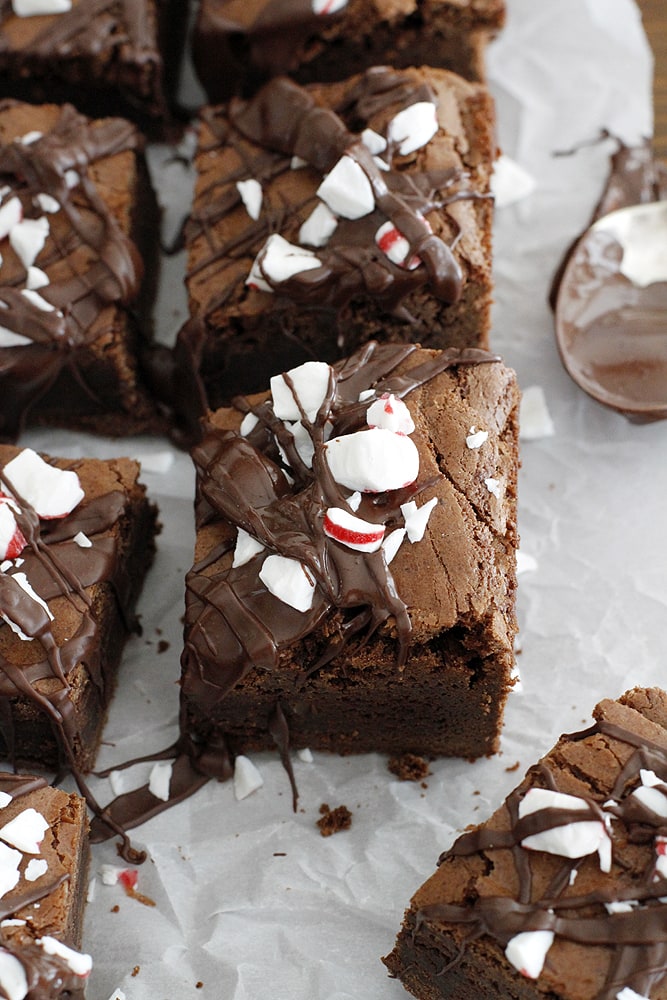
43	835
399	142
69	265
278	478
569	875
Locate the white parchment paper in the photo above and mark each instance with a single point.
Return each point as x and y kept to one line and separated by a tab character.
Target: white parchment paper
251	903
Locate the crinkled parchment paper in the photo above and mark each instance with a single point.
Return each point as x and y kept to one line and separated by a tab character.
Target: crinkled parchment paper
251	903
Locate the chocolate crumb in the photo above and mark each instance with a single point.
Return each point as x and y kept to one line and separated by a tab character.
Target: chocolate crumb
115	909
334	820
199	985
163	646
135	971
409	767
513	767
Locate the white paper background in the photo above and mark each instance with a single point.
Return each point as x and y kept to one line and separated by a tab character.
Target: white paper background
250	900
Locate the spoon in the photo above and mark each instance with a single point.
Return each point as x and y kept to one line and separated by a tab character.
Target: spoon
611	311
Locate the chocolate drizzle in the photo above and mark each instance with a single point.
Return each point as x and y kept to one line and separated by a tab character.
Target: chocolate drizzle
635	938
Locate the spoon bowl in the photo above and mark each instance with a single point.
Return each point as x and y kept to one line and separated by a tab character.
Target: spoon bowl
611	312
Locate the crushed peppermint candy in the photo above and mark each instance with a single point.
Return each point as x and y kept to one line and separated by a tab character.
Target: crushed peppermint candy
660	844
26	831
416	518
246	547
651	793
391	413
392	544
27	239
321	7
574	839
413	127
36	278
37	300
82	540
11	214
5	799
493	486
51	491
247	778
78	962
12	539
528	950
277	261
289	581
251	196
248	424
319	227
476	439
525	563
300	390
373	141
347	190
352	531
534	418
32	8
393	243
35	868
8	338
47	203
305	755
9	868
627	993
373	461
13	980
160	779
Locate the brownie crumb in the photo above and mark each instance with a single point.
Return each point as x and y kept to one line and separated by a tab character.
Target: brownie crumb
115	909
199	985
409	767
135	971
334	820
513	767
163	646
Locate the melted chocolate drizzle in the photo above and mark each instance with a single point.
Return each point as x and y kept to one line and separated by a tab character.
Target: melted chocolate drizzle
637	938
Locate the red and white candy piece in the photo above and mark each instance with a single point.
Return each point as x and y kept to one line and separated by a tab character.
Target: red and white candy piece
391	413
528	950
13	979
251	196
12	540
309	384
289	581
52	492
9	868
660	844
413	127
319	227
352	531
279	260
373	461
394	245
31	8
246	547
320	7
247	778
569	840
11	214
27	239
79	963
347	190
26	831
416	518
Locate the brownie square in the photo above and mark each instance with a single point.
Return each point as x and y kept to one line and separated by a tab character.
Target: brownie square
77	275
238	45
336	285
69	583
43	911
396	655
107	57
562	892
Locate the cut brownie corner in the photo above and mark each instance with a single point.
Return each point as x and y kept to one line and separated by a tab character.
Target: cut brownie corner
563	891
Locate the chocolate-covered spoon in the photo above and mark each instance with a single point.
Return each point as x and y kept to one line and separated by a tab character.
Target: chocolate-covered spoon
611	311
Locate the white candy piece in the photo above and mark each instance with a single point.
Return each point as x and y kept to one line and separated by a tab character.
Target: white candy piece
627	993
251	196
5	799
493	486
366	394
11	214
92	890
82	540
416	518
392	544
248	424
79	963
527	951
110	874
476	439
289	581
570	840
279	260
30	8
303	444
35	868
534	418
413	127
36	278
354	532
52	492
246	547
13	979
525	563
26	831
510	182
394	245
354	500
391	413
310	382
36	299
305	755
8	338
649	795
30	137
47	203
373	461
9	869
660	844
160	779
319	227
347	190
12	541
373	141
72	178
247	778
27	238
328	6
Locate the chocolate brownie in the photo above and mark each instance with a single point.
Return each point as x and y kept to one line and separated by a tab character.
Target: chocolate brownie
44	834
107	57
239	45
563	892
76	218
354	578
76	542
331	215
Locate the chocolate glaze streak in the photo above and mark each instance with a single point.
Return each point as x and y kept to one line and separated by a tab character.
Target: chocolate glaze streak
234	625
638	937
27	372
48	975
